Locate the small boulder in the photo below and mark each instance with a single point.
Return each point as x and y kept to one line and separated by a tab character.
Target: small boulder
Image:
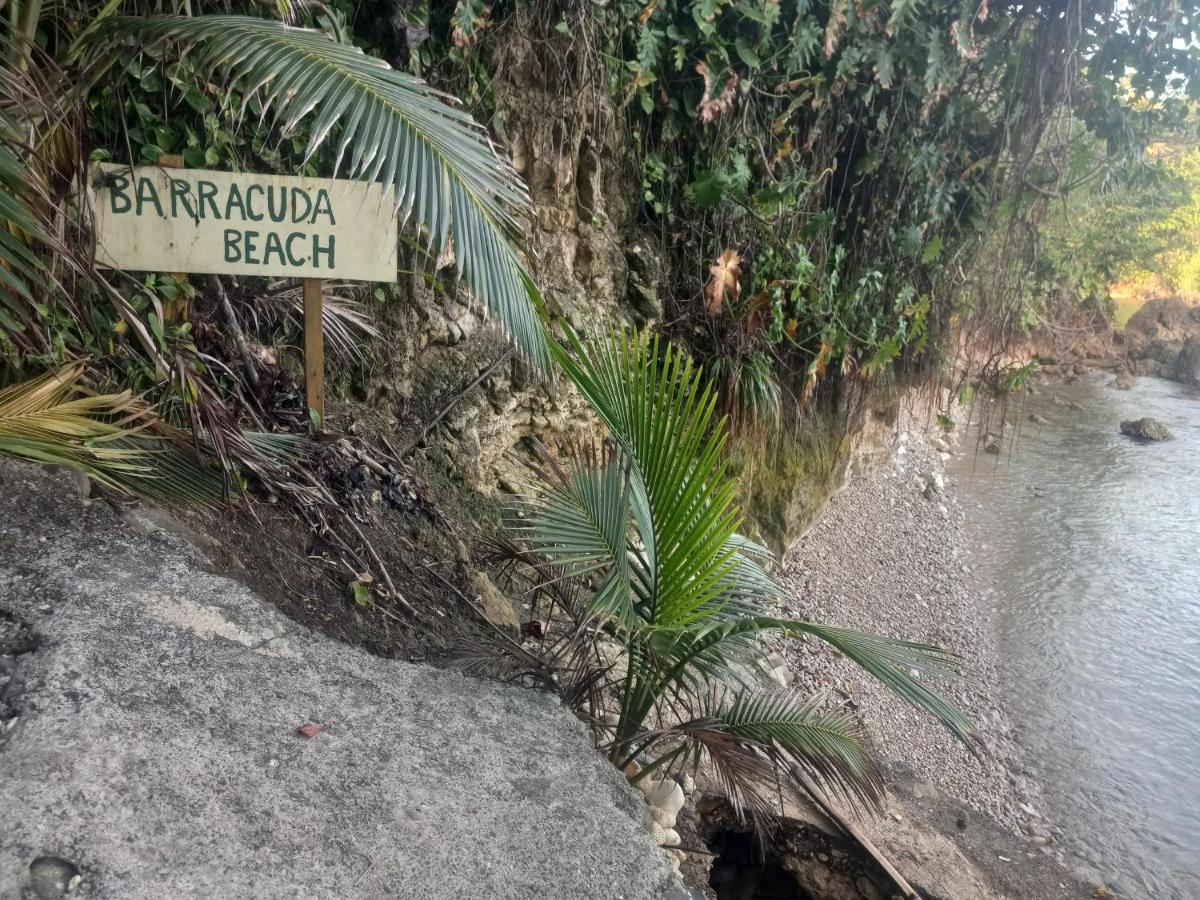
1038	419
664	794
935	484
781	675
991	444
496	607
50	876
1146	429
1124	381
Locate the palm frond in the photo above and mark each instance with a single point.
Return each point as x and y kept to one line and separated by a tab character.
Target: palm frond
22	272
826	744
344	320
761	745
394	128
53	421
581	523
891	662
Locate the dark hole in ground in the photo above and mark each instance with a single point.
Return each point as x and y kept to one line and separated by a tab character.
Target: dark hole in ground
741	871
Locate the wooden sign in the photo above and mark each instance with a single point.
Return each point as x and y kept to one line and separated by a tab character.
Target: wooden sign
156	219
163	219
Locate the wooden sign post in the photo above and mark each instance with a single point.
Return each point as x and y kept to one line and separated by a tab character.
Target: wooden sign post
161	219
314	348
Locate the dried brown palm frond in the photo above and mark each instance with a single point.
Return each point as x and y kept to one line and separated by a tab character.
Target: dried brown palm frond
114	439
345	321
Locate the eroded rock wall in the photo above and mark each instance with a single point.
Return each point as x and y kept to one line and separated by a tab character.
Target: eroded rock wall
584	251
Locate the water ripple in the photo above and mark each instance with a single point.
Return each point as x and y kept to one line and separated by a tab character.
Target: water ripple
1088	547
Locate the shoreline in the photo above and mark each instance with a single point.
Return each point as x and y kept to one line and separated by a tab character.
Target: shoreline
889	554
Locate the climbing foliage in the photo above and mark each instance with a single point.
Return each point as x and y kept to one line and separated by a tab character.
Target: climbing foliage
875	167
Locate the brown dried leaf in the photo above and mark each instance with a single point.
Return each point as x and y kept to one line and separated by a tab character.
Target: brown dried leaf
309	729
724	279
758	309
833	28
714	104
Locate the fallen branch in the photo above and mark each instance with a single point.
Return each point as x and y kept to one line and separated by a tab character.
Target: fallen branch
855	834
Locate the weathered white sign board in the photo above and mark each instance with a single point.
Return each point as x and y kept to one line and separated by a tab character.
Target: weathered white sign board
158	219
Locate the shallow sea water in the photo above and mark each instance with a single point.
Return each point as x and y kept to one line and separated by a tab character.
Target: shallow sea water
1087	546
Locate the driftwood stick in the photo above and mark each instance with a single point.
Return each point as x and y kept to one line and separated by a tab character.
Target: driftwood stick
454	401
856	834
239	336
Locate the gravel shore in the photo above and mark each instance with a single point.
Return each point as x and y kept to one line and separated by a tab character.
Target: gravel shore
886	556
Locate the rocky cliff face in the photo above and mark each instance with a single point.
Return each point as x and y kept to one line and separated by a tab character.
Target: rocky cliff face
583	250
597	268
1163	339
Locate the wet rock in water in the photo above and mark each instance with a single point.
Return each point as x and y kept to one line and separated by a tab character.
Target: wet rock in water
50	876
1123	381
991	444
1037	419
1146	429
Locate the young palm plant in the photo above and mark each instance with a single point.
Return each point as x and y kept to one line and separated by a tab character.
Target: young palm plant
639	544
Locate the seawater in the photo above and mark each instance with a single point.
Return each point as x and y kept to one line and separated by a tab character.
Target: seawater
1086	544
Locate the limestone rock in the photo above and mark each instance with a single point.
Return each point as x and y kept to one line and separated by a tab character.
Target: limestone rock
665	794
156	748
496	606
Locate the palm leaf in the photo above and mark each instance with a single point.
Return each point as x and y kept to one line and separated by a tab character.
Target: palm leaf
890	660
581	524
22	272
826	744
344	320
394	128
51	420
